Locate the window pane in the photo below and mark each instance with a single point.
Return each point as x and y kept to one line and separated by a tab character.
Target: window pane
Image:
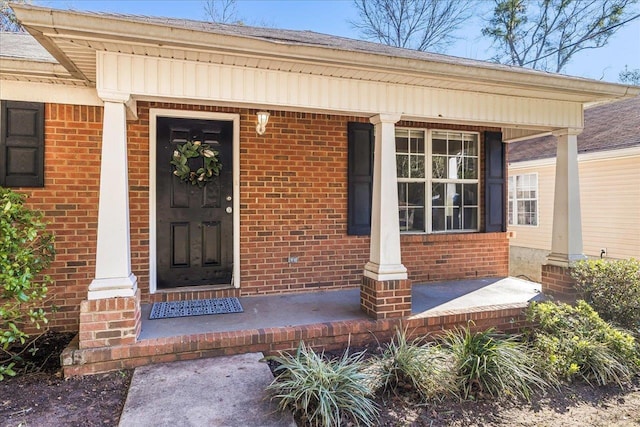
471	168
415	194
470	219
470	145
439	166
455	168
415	221
402	166
455	145
437	194
470	195
402	141
417	142
439	143
402	194
417	167
437	220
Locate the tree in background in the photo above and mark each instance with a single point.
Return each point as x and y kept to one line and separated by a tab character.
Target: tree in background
414	24
545	34
222	11
628	76
8	20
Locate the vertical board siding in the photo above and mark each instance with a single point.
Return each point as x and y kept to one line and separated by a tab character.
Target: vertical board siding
177	78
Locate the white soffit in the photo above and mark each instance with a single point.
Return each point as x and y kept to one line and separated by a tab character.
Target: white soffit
73	39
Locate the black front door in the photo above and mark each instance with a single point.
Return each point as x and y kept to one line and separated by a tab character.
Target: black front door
194	226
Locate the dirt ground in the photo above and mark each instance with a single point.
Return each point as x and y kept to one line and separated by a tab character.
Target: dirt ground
46	399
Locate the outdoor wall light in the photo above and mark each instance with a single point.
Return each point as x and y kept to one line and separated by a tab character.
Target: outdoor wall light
263	119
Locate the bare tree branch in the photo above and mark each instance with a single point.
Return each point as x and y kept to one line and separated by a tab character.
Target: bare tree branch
415	24
222	11
545	34
8	20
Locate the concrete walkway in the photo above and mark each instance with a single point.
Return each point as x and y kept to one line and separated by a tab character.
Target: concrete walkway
229	391
218	392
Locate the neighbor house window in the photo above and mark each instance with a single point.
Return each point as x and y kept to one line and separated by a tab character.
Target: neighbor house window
523	199
437	180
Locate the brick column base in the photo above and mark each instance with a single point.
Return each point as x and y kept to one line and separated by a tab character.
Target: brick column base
109	322
557	281
385	299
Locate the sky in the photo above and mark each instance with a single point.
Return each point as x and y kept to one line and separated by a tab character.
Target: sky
332	17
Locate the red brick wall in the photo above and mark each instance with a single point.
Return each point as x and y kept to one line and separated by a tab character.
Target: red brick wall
69	201
293	203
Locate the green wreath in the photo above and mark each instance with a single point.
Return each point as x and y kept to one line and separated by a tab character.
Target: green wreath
190	150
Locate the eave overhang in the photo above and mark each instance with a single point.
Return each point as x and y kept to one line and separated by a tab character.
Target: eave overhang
74	37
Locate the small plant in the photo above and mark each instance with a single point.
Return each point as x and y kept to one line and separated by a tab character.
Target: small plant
578	343
490	363
25	250
324	392
422	366
612	288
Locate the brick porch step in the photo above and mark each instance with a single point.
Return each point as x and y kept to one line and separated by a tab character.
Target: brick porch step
327	335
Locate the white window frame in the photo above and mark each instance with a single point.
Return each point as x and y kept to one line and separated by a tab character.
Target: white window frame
512	199
428	180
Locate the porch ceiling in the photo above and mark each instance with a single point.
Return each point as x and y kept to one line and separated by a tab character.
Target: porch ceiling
73	38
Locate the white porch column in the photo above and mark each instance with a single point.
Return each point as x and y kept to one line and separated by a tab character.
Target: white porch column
113	259
384	258
566	240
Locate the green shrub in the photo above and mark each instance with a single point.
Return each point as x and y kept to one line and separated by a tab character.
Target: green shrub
25	250
612	288
324	392
424	367
578	343
491	363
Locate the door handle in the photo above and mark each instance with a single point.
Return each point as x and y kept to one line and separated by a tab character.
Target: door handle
229	209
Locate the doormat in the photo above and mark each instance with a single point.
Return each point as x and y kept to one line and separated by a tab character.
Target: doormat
200	307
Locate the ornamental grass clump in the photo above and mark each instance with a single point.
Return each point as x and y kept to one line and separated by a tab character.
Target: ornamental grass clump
26	249
487	363
418	365
612	288
577	343
324	392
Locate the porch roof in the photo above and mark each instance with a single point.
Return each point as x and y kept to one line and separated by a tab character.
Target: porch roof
73	38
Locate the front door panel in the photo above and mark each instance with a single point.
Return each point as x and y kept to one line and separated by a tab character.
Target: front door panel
194	226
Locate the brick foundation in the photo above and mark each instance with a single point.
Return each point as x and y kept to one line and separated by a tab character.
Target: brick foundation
385	299
508	318
109	322
557	282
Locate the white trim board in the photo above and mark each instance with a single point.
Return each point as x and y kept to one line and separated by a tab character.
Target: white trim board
154	113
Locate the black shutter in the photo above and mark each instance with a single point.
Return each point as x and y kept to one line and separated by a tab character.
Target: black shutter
21	144
494	182
360	178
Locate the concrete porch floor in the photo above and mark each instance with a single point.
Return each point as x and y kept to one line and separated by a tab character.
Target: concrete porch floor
324	319
277	311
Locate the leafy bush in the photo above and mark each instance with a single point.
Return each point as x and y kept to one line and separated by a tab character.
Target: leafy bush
25	250
422	366
487	362
578	343
324	392
612	288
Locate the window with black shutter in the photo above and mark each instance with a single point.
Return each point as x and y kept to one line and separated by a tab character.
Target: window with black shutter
21	144
495	178
360	178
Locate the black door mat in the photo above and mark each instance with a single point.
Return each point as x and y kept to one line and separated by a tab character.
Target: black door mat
200	307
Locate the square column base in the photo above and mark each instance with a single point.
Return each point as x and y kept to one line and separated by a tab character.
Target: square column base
385	299
109	321
557	282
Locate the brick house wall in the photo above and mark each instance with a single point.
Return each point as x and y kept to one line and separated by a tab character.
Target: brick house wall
293	186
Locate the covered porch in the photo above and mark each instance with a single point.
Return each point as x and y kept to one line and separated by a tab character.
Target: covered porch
325	320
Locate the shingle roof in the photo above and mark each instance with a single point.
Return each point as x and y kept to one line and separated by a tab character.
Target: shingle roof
311	38
23	46
610	126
